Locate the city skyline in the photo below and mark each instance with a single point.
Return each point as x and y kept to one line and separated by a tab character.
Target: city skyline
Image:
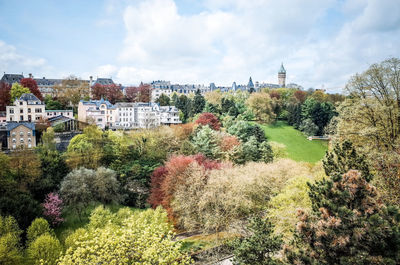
187	41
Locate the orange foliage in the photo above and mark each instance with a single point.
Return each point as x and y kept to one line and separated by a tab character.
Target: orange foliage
183	131
228	142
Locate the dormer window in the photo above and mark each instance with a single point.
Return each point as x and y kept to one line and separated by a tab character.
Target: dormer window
20	103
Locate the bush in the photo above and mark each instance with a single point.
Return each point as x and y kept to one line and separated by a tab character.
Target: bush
39	227
278	149
143	237
308	127
219	199
44	250
10	248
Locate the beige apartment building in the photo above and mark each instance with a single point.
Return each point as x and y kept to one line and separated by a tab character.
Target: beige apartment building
26	108
21	135
100	112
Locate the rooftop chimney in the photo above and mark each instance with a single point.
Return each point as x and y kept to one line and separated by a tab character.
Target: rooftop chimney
30	75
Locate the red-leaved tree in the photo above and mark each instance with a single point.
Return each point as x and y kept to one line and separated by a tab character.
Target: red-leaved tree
111	92
209	119
138	94
98	91
33	87
5	95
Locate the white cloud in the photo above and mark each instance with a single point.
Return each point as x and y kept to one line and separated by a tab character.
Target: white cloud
13	61
233	39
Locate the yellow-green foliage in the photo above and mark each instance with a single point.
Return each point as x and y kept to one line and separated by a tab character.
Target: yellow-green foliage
44	250
10	251
278	149
125	238
282	207
38	227
230	194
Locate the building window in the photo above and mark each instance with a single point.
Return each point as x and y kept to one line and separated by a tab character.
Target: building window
29	110
29	146
14	146
21	133
14	140
12	111
99	119
29	133
29	140
21	140
21	111
21	118
20	103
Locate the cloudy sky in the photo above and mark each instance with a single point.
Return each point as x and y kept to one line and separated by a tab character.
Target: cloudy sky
321	43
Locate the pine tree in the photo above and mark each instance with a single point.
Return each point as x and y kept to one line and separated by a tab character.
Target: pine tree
348	224
198	103
260	247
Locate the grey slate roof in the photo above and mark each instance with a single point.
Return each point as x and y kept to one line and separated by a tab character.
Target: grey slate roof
11	78
13	125
104	81
47	82
28	97
98	103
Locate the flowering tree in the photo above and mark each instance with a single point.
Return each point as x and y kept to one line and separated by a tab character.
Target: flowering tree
52	208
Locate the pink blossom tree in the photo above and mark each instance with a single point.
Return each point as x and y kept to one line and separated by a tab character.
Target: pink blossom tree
52	208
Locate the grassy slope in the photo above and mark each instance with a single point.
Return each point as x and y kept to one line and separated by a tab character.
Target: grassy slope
299	148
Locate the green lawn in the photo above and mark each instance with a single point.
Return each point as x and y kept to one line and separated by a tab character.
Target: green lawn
298	147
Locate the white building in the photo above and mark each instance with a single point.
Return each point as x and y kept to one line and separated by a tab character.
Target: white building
165	87
55	113
100	112
169	115
27	108
145	115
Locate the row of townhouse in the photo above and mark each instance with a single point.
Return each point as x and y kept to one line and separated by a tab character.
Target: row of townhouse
124	115
165	87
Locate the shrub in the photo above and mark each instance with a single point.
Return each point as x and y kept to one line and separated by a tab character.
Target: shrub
206	141
10	248
139	238
44	250
278	149
39	227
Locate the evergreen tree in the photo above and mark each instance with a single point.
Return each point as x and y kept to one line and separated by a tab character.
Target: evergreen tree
260	247
163	100
198	103
348	224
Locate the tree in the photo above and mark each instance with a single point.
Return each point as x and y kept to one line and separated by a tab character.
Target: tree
319	113
139	237
52	104
261	105
184	104
198	103
370	117
71	90
17	90
83	186
5	95
260	246
25	167
348	224
163	100
53	166
10	246
210	120
52	208
39	227
111	92
206	141
44	250
99	91
33	87
308	127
